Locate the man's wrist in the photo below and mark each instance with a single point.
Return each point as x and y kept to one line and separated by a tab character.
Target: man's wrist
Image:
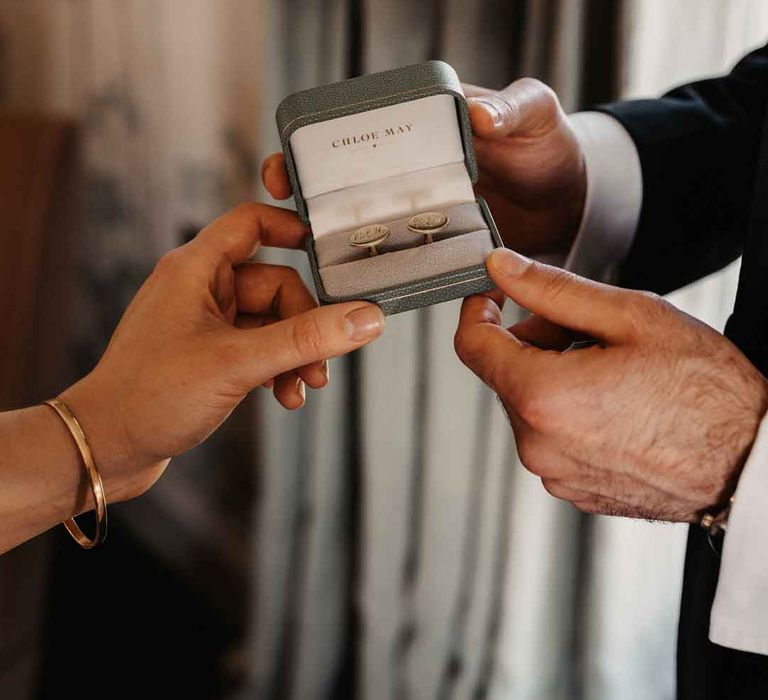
744	432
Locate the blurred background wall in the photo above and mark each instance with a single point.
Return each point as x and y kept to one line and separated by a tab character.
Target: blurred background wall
383	542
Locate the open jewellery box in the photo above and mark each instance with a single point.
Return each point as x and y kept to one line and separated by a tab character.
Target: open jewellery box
380	149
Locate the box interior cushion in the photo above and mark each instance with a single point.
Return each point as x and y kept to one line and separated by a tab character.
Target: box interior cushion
404	257
335	249
381	164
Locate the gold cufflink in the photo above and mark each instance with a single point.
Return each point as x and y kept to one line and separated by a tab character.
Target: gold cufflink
428	224
369	237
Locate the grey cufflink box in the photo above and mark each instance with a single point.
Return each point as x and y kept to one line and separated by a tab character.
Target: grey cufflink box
419	275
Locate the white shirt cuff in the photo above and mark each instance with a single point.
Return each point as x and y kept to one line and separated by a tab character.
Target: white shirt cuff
739	617
614	197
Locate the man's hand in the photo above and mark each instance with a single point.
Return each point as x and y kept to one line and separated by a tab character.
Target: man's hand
531	166
655	421
206	328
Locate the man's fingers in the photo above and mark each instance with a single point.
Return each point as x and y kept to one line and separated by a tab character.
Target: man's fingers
471	90
491	352
527	107
542	334
313	336
563	298
238	234
275	177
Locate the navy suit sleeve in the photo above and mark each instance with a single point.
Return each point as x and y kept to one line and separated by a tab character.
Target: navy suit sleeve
698	148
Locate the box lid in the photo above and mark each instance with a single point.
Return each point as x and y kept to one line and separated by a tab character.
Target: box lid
366	93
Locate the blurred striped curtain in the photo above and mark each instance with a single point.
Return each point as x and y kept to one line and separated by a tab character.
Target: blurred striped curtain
415	560
389	546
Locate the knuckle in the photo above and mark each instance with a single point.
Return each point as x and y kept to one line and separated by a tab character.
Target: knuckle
587	507
307	336
527	453
535	459
489	366
651	302
249	212
533	91
533	408
288	274
533	85
555	284
462	344
172	260
553	487
642	310
468	348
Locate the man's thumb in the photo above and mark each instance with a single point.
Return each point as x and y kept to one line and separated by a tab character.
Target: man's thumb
525	107
566	299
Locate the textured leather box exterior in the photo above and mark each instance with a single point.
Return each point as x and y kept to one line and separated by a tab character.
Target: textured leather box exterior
363	94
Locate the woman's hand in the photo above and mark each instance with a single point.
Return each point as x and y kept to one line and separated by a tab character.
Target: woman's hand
205	329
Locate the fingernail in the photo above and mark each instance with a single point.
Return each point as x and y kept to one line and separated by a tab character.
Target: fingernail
301	390
491	105
510	263
364	323
325	369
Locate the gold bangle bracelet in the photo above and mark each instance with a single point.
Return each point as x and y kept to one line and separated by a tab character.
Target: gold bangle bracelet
93	475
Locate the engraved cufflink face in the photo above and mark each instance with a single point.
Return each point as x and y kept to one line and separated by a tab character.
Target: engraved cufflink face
428	223
369	237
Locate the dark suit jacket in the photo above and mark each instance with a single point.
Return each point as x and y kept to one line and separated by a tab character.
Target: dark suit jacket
704	156
699	148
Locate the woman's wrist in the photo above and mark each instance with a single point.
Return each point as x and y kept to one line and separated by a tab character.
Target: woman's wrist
51	486
125	472
44	479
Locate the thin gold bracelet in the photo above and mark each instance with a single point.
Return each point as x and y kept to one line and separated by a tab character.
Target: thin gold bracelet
97	487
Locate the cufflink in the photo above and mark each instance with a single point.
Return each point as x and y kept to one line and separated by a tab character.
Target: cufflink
369	237
427	224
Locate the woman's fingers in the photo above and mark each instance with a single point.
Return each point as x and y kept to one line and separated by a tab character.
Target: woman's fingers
329	331
236	236
271	289
289	390
250	321
280	292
